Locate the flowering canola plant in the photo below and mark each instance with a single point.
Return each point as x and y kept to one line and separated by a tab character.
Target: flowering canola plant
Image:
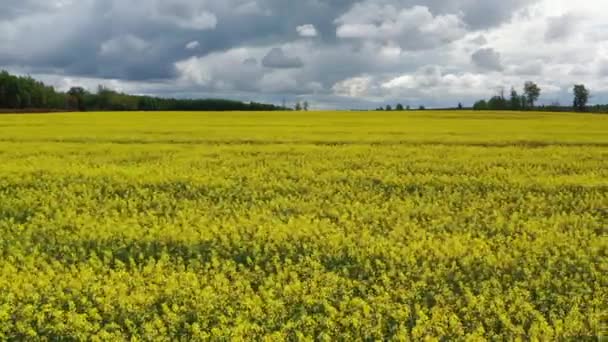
303	226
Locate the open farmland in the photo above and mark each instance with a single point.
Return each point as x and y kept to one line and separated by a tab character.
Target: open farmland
316	226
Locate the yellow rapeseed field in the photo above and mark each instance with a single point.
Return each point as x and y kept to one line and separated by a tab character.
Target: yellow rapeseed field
303	226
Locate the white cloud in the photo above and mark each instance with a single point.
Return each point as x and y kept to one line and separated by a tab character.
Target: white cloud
200	21
182	14
466	83
228	67
124	44
428	76
561	27
353	87
250	8
479	40
529	68
307	30
412	28
278	82
193	45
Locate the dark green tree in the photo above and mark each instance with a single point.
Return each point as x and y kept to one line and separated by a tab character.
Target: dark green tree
498	103
532	92
515	101
581	97
480	105
77	95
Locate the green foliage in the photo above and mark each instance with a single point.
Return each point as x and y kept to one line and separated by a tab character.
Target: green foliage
581	97
532	92
498	103
26	93
515	102
264	226
481	105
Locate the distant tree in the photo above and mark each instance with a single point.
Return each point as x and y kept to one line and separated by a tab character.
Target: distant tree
555	106
380	109
581	97
408	107
515	101
422	108
532	92
12	92
389	108
399	107
498	103
77	95
480	105
524	102
500	93
104	97
460	105
305	106
298	106
77	91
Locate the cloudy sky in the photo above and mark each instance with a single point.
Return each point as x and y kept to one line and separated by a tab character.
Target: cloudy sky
332	53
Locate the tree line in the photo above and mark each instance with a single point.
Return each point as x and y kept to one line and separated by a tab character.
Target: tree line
399	107
527	100
25	93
